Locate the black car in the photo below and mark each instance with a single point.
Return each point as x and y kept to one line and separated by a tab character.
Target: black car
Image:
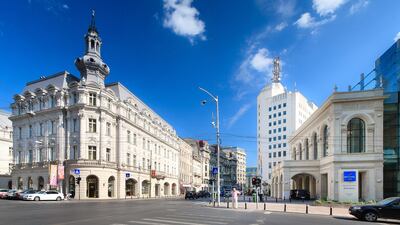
203	194
300	194
388	208
191	195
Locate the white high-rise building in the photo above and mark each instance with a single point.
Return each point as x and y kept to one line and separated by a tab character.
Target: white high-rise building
279	113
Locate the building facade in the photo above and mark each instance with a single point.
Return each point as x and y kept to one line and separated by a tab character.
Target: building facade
237	158
279	113
102	133
387	69
6	150
337	153
186	166
201	163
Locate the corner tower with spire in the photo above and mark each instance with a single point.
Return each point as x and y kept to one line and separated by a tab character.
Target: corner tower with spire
91	66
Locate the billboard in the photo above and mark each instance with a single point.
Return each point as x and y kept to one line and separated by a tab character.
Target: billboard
60	172
53	175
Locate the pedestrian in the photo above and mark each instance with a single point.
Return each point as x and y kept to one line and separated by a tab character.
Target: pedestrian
235	196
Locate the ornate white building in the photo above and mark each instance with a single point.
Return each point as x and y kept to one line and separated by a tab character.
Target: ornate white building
337	153
119	145
279	113
6	150
238	165
186	166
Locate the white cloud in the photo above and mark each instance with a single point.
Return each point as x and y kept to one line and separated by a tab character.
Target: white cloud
238	115
326	7
65	6
183	19
261	61
307	21
358	6
281	26
397	37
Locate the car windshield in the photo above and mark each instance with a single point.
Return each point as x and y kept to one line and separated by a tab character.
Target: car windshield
386	201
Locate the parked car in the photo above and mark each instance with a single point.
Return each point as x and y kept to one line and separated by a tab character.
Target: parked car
191	195
11	194
203	194
21	195
388	208
3	193
300	194
44	196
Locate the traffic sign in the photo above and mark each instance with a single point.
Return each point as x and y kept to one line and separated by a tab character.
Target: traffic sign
77	171
128	175
214	170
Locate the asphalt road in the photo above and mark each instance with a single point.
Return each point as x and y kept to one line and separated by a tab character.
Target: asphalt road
147	212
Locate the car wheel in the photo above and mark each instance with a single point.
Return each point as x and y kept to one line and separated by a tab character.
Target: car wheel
36	199
370	216
58	199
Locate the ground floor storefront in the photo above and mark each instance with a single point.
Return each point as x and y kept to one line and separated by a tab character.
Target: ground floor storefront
84	181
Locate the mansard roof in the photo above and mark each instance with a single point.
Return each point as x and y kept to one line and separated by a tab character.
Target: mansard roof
60	80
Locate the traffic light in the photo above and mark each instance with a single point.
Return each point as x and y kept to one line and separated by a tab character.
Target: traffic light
254	181
78	180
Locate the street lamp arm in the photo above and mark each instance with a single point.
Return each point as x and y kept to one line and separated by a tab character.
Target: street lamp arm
211	95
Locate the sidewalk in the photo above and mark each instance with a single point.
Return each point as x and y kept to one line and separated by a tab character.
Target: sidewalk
290	207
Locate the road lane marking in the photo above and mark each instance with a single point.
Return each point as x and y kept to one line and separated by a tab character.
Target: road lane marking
202	217
171	221
182	219
147	223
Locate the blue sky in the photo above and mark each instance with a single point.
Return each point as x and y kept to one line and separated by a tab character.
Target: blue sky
163	50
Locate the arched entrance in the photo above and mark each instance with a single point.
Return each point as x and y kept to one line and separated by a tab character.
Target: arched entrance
92	186
111	188
130	187
166	189
40	183
173	189
71	186
10	184
305	182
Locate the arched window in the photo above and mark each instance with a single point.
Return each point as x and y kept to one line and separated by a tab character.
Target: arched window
92	44
325	142
315	146
355	136
40	183
111	188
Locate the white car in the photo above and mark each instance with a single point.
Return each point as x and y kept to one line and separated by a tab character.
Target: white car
45	196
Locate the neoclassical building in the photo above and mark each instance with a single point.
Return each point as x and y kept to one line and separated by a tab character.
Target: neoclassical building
337	153
100	132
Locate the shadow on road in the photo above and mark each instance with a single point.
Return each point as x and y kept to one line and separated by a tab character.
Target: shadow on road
355	219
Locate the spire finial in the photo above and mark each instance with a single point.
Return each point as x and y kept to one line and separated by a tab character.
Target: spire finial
277	71
92	26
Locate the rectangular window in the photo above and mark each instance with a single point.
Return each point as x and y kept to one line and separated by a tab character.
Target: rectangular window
270	165
269	117
30	156
134	160
52	154
52	101
284	112
92	125
279	154
74	125
284	104
52	127
269	155
134	139
74	152
284	144
40	155
92	99
128	159
270	131
92	153
284	120
279	106
269	109
284	153
143	163
19	157
128	134
20	133
75	98
30	131
109	104
144	143
108	154
41	131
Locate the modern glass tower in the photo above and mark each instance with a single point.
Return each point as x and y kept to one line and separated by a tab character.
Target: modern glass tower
387	68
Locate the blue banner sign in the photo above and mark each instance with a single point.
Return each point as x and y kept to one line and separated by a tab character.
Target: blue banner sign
214	170
349	176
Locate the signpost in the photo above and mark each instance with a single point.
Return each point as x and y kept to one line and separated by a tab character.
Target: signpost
77	171
214	171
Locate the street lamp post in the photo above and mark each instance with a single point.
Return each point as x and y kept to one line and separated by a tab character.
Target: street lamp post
215	98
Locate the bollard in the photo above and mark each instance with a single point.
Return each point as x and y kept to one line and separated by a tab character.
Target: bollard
227	204
306	209
284	207
330	211
265	206
245	205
